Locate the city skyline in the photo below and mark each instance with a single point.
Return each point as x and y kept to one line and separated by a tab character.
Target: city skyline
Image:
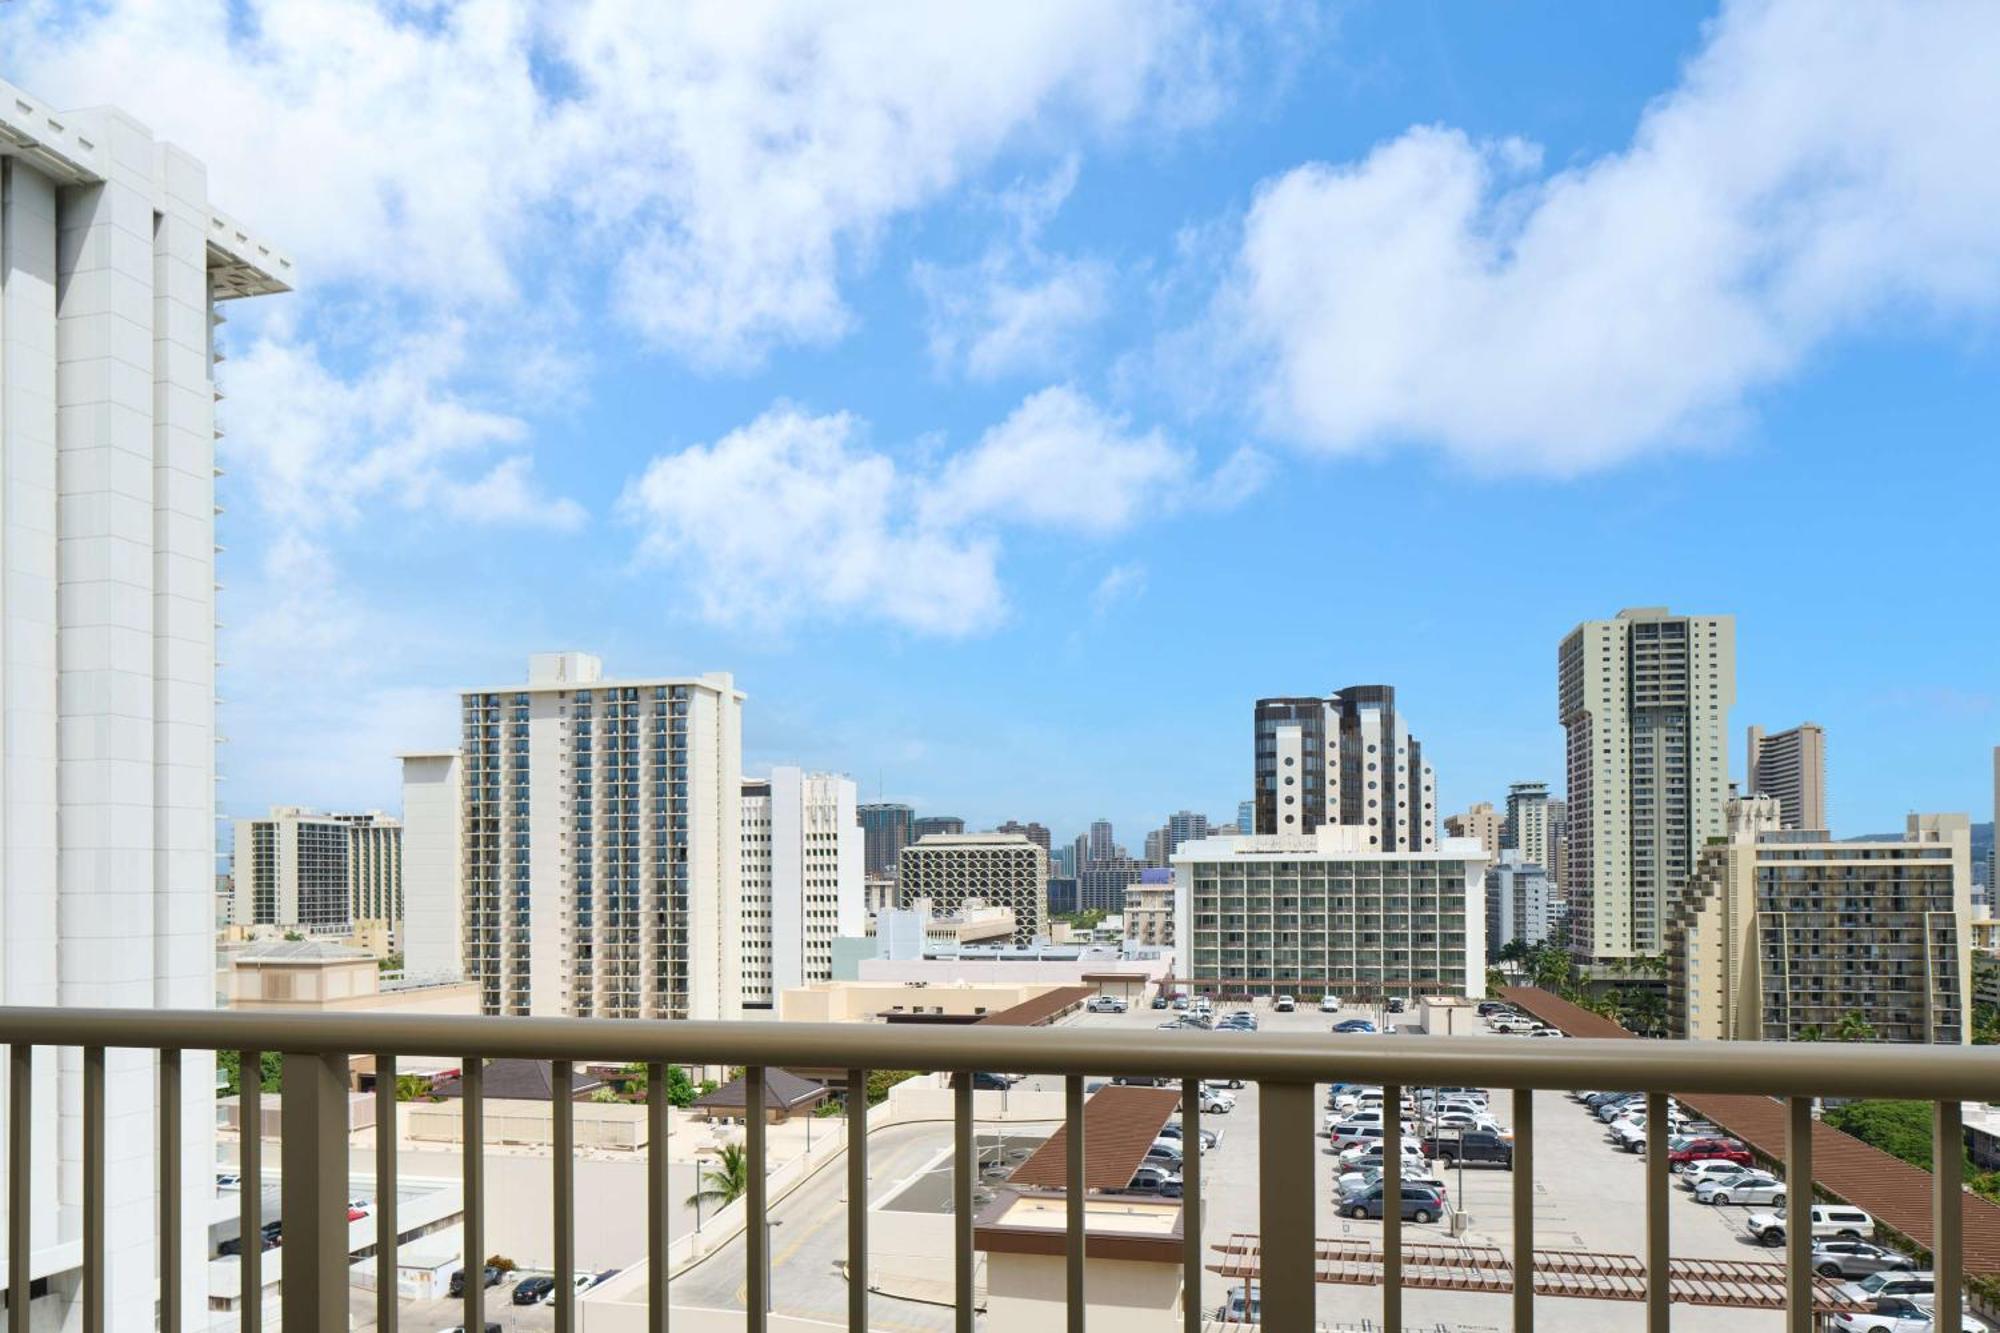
1019	302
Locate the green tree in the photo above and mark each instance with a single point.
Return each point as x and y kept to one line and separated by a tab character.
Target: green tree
881	1080
607	1093
1899	1128
1810	1032
231	1065
724	1182
413	1088
1495	979
390	963
1853	1027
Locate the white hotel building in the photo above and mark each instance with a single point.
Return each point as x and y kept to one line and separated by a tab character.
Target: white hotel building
113	266
593	865
1319	913
802	880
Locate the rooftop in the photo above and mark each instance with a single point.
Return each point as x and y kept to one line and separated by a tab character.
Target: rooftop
1119	1125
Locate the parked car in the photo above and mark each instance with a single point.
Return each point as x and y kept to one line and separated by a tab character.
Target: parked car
1222	1083
491	1327
355	1214
1717	1172
579	1283
1911	1286
1141	1081
1452	1121
1708	1150
1354	1025
1180	1001
1370	1154
1329	1004
1895	1314
228	1180
983	1081
1106	1004
1214	1101
529	1290
1750	1187
1857	1258
494	1277
1614	1108
1827	1220
1471	1146
1152	1179
1349	1181
1241	1307
1421	1203
1283	1004
1159	1001
1172	1130
1396	1004
234	1245
1489	1008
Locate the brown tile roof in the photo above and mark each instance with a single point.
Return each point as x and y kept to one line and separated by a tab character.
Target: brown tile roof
1119	1125
1895	1192
783	1091
518	1080
1033	1013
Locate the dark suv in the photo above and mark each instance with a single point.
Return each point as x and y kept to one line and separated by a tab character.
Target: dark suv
493	1279
1472	1145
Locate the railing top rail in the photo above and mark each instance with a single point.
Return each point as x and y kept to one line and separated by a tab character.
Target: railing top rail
1770	1068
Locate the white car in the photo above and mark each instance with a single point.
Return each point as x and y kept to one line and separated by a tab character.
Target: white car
1329	1004
1283	1004
1896	1314
1918	1287
1750	1187
1699	1173
1349	1181
1106	1004
1452	1120
1214	1101
1370	1154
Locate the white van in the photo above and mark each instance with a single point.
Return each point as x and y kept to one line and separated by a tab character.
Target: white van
1831	1219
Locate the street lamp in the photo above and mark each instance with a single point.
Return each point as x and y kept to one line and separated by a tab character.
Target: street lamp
770	1248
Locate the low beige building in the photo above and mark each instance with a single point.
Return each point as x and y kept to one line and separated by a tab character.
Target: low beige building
870	1002
975	922
1783	934
300	976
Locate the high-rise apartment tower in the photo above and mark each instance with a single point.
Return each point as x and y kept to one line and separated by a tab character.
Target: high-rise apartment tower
1644	700
1347	759
1791	766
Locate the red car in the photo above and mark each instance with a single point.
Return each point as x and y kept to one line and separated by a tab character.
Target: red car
1708	1150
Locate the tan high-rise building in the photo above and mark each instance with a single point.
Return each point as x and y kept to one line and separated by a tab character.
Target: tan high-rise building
1532	827
1479	821
1790	765
1644	700
1783	934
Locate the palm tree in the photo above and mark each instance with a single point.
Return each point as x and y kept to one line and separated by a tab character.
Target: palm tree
1853	1027
724	1182
1810	1032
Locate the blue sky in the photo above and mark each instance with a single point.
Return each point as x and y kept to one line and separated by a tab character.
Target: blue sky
1009	408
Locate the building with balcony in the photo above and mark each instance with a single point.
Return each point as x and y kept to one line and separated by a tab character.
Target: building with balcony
1328	913
1783	934
1533	826
1149	910
115	273
318	873
802	883
600	831
1791	766
1347	759
887	827
1519	906
1644	701
998	869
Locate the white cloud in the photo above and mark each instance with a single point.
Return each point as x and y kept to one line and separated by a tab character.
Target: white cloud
1118	583
318	448
792	516
1060	461
1017	308
1816	167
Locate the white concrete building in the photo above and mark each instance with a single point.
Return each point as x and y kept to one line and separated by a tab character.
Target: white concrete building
316	872
1644	700
433	867
1325	912
601	832
802	882
1519	906
1002	869
1346	759
112	268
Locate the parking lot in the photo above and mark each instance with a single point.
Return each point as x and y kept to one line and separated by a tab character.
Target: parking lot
1589	1195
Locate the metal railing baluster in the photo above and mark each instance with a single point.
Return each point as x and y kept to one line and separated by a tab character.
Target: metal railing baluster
1798	1215
1074	1222
1657	1247
1284	1211
313	1147
1524	1210
170	1191
962	1163
659	1181
1392	1207
250	1190
386	1318
472	1162
93	1190
756	1221
1948	1214
1191	1312
20	1179
562	1078
857	1198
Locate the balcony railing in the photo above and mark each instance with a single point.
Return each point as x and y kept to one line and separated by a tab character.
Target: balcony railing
1285	1066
